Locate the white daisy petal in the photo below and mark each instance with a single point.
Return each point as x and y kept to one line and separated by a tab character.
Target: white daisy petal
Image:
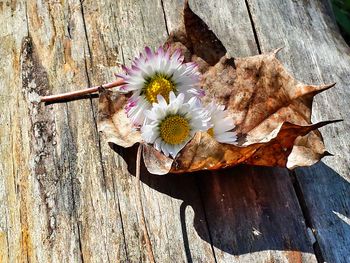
162	102
157	143
172	96
171	125
228	137
221	125
149	134
150	115
176	149
164	148
157	73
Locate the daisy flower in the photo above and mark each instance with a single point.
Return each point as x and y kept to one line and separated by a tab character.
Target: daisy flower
170	126
221	124
158	73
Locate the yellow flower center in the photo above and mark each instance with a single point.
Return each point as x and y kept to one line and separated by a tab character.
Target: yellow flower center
211	132
159	84
174	129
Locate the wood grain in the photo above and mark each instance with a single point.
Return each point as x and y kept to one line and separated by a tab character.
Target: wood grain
316	53
233	238
66	196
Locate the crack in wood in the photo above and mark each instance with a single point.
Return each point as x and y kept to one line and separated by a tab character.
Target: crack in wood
165	18
71	167
306	214
253	26
98	136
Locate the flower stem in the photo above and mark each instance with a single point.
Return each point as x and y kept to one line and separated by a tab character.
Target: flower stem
74	94
140	206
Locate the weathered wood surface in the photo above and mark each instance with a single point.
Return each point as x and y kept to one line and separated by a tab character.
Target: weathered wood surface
66	196
316	53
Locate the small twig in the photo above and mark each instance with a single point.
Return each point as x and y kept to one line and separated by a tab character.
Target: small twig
140	207
73	94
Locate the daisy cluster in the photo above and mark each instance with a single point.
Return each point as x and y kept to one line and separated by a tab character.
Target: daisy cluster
166	102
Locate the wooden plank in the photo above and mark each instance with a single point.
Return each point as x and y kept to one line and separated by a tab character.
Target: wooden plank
316	53
248	222
64	184
88	210
228	19
66	196
253	216
131	25
13	163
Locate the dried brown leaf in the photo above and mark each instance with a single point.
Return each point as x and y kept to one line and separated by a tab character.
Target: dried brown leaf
112	119
271	109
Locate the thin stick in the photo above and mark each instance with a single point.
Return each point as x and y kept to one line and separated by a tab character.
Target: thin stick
73	94
143	221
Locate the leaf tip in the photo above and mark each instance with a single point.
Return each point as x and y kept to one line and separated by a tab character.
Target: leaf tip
324	123
277	50
327	86
326	153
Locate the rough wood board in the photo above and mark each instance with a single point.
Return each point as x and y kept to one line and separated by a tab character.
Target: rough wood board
230	234
85	199
14	150
138	24
316	53
66	196
59	194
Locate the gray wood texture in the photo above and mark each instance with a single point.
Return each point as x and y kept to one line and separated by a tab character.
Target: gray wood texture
66	196
316	53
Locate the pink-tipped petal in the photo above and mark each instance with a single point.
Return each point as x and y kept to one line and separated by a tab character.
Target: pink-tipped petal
176	55
134	67
123	87
149	52
160	51
117	75
127	70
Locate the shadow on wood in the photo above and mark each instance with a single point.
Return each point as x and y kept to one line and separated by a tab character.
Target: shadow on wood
326	197
245	209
